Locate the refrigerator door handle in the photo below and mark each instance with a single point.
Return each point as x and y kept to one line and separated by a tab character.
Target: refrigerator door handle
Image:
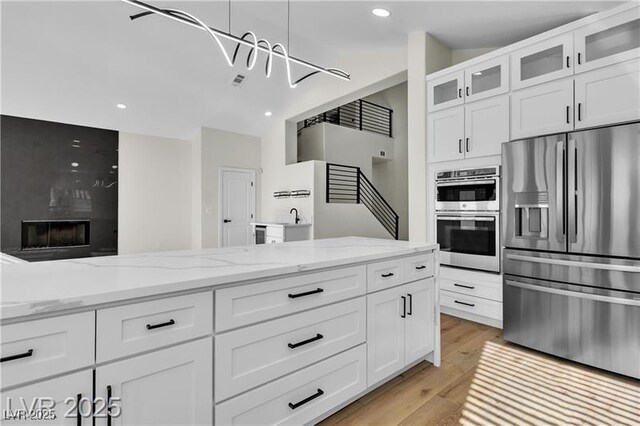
572	178
560	195
575	263
589	296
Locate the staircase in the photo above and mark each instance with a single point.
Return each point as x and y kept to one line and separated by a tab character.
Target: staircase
348	185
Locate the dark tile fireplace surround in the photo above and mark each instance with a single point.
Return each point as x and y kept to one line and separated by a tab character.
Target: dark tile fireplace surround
58	190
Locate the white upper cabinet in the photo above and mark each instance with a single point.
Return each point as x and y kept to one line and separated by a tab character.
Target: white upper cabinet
487	79
446	91
542	110
445	135
486	126
609	41
545	61
608	95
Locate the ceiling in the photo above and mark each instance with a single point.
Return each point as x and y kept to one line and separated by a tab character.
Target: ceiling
74	61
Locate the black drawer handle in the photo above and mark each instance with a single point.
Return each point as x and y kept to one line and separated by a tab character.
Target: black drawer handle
404	307
162	324
420	267
307	399
18	356
390	274
470	287
306	293
410	311
305	342
465	303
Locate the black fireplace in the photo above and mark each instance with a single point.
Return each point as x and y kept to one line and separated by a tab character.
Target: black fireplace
44	234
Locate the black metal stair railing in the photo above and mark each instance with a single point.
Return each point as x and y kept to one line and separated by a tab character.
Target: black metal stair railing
359	115
347	184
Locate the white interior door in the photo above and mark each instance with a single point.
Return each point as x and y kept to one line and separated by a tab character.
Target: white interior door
237	206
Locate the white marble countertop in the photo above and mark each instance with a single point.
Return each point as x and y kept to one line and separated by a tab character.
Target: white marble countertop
53	286
281	224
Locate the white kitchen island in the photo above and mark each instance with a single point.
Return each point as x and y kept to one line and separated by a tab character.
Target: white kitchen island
281	333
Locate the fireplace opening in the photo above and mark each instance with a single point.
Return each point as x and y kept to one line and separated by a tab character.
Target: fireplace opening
43	234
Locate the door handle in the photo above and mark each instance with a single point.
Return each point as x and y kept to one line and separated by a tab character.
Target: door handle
305	342
227	220
467	144
579	111
421	267
577	294
404	307
568	62
560	196
579	59
390	274
470	287
465	303
293	406
108	405
78	414
467	90
460	146
306	293
17	356
410	311
163	324
568	117
460	92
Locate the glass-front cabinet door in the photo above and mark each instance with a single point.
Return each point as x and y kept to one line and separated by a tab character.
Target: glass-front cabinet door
487	79
445	91
545	61
609	41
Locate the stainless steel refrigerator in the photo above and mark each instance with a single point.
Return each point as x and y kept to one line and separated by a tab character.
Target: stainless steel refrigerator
571	237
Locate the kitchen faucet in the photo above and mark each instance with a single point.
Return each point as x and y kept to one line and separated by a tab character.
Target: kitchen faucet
297	217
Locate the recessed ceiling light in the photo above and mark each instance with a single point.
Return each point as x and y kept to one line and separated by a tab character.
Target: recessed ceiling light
121	106
382	13
114	167
74	164
268	114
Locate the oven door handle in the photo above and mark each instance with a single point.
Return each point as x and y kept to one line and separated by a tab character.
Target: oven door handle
589	296
575	263
465	182
475	218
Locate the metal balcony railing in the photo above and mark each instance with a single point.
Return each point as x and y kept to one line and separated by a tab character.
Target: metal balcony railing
359	115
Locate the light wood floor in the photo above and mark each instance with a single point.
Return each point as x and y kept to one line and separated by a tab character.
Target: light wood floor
485	380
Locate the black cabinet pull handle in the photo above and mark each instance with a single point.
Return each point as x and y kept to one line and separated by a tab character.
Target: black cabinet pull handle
410	304
306	293
568	118
460	92
404	307
467	90
162	324
579	111
320	392
78	416
467	144
227	220
305	342
470	287
390	274
420	267
579	59
460	146
465	303
18	356
568	62
108	405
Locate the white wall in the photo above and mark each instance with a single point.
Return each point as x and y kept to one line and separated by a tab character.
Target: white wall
220	148
154	194
461	55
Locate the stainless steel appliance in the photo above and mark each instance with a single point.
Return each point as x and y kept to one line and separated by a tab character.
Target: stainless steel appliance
468	189
468	218
572	246
260	234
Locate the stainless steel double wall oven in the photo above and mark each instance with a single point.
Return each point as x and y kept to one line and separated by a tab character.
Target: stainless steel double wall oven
468	218
572	246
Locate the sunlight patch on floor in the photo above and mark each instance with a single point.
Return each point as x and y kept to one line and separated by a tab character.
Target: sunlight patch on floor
516	386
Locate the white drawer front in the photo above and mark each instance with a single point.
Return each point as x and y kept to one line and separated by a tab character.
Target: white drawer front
418	267
249	357
129	329
330	383
385	274
473	305
238	306
485	289
275	232
36	349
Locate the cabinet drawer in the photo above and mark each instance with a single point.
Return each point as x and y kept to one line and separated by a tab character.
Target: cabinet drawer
385	274
300	397
249	357
238	306
275	232
485	289
130	329
36	349
471	304
418	267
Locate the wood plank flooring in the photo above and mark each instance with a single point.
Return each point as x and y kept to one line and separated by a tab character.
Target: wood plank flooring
484	380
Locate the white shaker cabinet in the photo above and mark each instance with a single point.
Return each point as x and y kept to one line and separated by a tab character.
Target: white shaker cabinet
172	386
487	79
543	109
608	95
445	135
608	41
486	126
446	91
400	326
542	62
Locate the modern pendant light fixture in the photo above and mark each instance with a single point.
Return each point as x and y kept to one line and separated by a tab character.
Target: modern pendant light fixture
248	39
